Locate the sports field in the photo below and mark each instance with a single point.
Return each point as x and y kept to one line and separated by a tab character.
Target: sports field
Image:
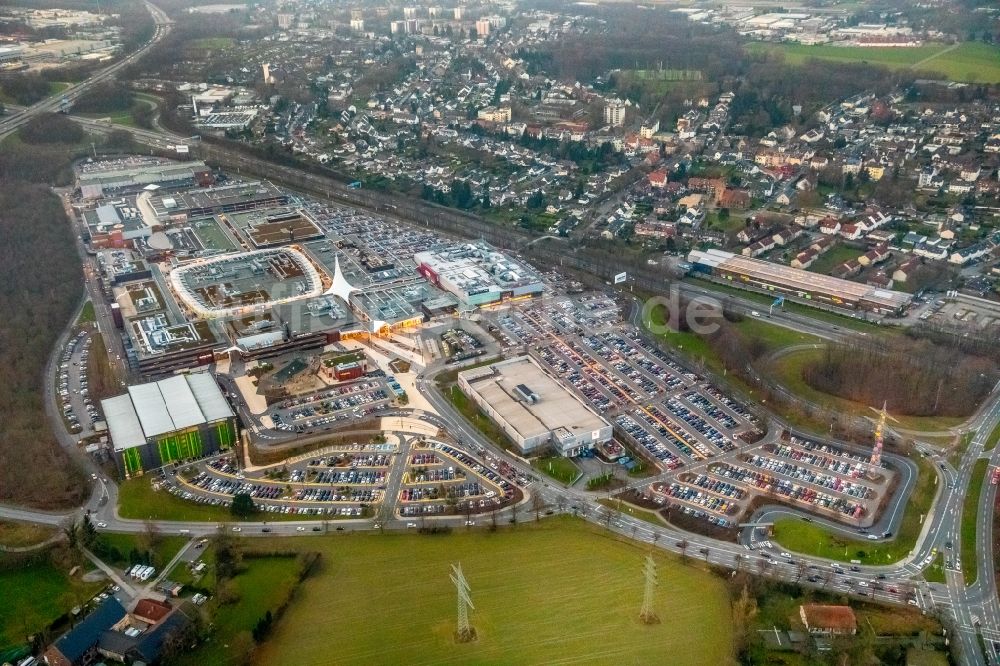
561	592
970	62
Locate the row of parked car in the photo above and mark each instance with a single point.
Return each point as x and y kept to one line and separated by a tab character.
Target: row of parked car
716	486
343	494
666	372
351	477
844	466
432	475
641	437
678	435
681	492
353	461
711	410
700	425
63	387
829	481
794	492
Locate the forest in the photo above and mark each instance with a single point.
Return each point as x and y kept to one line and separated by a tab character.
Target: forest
40	272
914	377
42	279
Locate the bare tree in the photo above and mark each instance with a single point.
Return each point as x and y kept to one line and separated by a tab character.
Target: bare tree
738	561
705	552
683	545
561	503
800	571
538	504
385	513
513	513
72	530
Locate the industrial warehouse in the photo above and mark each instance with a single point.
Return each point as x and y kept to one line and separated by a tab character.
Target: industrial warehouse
785	280
532	408
183	417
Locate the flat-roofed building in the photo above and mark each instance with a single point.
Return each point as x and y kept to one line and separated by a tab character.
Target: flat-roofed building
477	273
534	409
178	418
779	279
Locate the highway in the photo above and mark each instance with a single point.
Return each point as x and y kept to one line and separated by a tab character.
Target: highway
966	605
55	102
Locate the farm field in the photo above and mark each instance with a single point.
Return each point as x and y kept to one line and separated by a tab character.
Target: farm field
969	62
572	596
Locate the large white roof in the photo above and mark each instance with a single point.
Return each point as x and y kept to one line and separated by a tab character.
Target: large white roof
181	404
123	424
213	404
150	410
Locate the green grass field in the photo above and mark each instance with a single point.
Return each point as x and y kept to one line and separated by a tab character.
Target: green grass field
87	314
832	258
211	235
970	62
697	348
992	440
261	587
935	572
212	43
19	535
33	597
970	510
116	117
124	544
559	468
811	539
572	596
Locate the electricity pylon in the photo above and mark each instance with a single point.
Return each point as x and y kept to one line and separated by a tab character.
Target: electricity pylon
648	613
465	631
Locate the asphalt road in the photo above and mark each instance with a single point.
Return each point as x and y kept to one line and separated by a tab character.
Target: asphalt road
940	526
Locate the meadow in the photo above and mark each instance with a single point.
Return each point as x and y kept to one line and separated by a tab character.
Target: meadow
559	592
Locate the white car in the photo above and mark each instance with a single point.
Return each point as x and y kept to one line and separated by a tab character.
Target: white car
102	525
237	529
300	529
862	583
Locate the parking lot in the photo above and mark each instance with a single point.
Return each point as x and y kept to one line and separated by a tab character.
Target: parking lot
338	481
710	447
436	478
441	479
354	400
818	478
673	416
73	387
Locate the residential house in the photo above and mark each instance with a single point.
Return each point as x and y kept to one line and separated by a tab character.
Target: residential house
658	178
805	258
906	269
829	226
735	199
970	253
